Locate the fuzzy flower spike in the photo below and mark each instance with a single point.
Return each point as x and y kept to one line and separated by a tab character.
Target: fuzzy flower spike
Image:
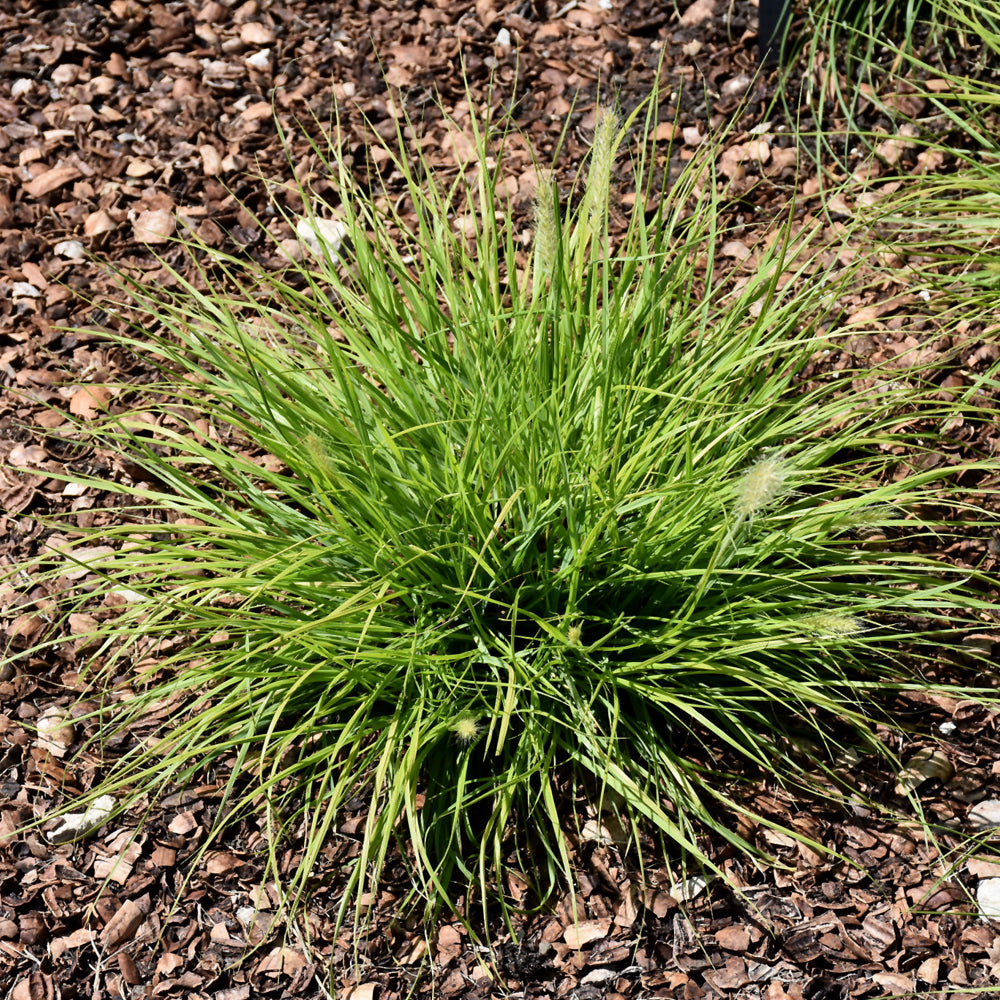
546	239
760	487
466	728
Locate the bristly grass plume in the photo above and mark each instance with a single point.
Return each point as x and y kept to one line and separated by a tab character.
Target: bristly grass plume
439	519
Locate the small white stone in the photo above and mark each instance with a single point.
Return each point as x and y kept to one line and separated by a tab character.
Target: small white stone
690	888
608	831
598	975
245	915
947	728
259	60
988	897
75	826
317	233
985	814
21	86
71	249
56	732
24	290
503	38
738	84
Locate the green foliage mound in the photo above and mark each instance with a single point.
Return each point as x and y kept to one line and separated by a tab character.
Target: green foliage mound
471	512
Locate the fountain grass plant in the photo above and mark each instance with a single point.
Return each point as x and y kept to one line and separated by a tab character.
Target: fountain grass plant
436	518
865	33
923	63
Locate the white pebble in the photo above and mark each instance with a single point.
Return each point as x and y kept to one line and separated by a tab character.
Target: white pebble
688	889
259	60
985	814
317	233
71	249
988	896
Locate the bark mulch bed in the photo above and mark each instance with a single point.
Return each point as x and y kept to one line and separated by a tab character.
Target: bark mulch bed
118	119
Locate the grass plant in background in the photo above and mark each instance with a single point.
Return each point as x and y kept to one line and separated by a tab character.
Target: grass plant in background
438	518
864	32
910	60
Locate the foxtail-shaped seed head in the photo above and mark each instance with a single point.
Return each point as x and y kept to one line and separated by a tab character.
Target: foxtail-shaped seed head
760	486
831	624
602	157
546	239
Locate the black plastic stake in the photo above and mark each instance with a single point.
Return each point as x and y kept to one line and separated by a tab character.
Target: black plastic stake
772	20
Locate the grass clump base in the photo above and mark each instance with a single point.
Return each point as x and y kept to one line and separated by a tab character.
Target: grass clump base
436	514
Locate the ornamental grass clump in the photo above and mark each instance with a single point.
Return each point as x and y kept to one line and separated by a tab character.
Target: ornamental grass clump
869	35
435	520
856	72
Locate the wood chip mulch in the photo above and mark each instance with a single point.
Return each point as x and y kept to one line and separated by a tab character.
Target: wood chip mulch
121	121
